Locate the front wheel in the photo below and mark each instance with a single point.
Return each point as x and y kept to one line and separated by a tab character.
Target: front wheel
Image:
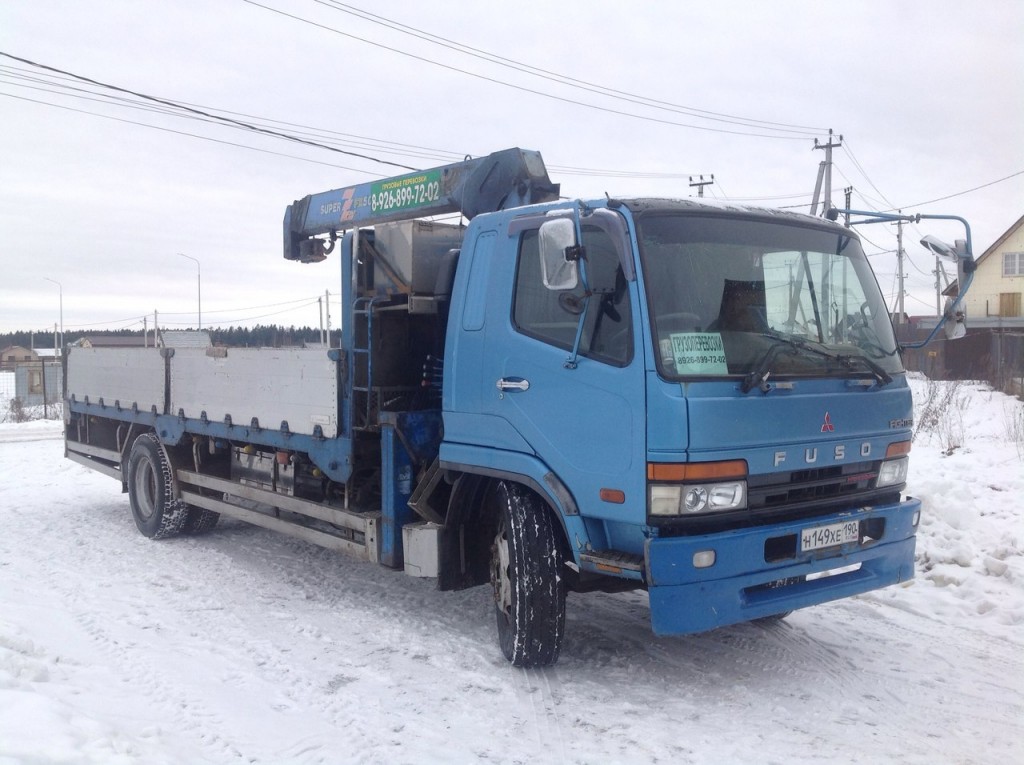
526	576
157	511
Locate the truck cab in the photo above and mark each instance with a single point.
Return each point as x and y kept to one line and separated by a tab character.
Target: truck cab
708	399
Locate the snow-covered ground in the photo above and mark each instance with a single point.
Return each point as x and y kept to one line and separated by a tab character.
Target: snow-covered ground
245	646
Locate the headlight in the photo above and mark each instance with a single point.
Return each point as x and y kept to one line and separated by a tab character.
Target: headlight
675	490
664	500
893	472
667	500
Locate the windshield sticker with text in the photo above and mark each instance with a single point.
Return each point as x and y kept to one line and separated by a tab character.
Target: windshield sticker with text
699	353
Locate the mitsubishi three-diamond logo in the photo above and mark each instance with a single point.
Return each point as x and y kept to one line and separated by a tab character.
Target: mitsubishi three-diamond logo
827	426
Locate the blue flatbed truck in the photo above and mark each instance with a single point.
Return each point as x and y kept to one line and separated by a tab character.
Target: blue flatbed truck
704	401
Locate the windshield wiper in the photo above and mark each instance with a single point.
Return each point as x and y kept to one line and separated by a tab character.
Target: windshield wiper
848	361
788	344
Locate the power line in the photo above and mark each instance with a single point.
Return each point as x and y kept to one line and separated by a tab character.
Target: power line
294	305
562	79
304	300
893	207
323	133
230	120
918	300
871	202
391	147
208	116
860	169
805	195
873	244
184	133
251	318
133	320
565	170
121	102
965	191
605	173
521	88
801	195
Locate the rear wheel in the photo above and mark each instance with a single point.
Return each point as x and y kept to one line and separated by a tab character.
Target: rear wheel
157	511
526	577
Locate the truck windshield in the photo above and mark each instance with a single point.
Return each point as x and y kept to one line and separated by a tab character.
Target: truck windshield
746	296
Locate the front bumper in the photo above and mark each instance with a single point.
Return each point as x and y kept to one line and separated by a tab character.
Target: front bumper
746	582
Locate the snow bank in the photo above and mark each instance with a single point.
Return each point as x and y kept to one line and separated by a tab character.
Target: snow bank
971	541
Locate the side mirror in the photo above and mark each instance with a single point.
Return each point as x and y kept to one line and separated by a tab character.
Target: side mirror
952	319
955	328
952	315
557	240
940	248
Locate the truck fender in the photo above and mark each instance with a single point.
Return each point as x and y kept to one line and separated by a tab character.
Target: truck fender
467	533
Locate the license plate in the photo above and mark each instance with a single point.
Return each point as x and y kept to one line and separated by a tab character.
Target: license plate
833	535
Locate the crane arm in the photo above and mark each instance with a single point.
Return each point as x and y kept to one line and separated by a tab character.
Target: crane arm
507	178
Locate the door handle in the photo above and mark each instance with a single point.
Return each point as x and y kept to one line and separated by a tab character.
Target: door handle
506	384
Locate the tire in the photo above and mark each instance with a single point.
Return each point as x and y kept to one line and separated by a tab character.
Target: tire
157	511
199	520
526	578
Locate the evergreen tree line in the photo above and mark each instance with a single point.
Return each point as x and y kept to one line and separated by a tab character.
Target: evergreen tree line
260	336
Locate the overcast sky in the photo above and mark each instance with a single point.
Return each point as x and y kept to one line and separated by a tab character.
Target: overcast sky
102	197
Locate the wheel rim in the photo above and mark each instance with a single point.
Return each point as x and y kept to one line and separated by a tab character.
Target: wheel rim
500	580
145	488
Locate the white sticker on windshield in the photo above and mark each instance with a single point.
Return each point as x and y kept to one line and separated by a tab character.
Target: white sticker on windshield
699	353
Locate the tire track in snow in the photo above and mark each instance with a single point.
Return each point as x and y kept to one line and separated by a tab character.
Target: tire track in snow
533	688
325	603
160	578
117	640
824	664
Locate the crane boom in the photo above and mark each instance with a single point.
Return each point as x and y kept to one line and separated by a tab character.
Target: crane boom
508	178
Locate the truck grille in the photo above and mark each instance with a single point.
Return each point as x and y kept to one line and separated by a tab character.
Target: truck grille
779	490
789	496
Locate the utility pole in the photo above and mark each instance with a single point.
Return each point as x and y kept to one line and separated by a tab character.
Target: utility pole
940	270
323	335
848	191
817	188
199	274
60	289
327	304
825	171
899	271
701	184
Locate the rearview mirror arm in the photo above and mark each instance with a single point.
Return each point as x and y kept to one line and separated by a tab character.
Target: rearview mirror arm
966	258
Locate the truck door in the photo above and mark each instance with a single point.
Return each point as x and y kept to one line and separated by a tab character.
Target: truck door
582	416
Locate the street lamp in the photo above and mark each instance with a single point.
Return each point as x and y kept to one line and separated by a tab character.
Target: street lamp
199	279
61	295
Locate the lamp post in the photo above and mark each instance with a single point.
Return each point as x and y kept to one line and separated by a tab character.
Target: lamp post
199	280
61	296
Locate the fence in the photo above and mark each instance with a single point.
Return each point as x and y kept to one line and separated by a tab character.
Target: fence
994	355
39	383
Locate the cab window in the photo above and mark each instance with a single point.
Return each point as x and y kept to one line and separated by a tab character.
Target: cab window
552	316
